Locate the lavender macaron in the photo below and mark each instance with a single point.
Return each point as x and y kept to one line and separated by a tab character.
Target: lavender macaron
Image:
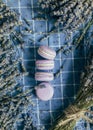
44	64
46	52
44	76
44	91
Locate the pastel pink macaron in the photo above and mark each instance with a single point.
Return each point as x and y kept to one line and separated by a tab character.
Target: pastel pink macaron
46	52
44	76
44	64
44	91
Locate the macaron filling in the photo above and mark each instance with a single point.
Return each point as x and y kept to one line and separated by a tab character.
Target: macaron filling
44	76
44	64
46	52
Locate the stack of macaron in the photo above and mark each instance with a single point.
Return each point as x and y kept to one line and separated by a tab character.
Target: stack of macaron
45	75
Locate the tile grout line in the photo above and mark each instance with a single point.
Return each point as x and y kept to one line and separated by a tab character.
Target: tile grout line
58	59
19	5
56	85
35	59
56	99
73	75
61	76
51	116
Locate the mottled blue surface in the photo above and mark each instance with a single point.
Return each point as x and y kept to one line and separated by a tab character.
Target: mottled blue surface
67	84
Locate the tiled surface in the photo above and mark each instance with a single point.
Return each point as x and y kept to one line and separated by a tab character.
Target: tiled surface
67	84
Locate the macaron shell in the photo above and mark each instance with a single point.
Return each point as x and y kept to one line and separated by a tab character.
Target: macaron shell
46	52
44	76
44	64
45	93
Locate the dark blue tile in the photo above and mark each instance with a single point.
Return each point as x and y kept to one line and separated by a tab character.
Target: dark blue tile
79	64
45	117
77	77
67	101
29	81
35	3
68	90
56	114
30	66
29	53
35	12
80	52
56	104
67	77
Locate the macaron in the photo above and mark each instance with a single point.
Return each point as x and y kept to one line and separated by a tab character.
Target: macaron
44	91
44	76
44	64
46	52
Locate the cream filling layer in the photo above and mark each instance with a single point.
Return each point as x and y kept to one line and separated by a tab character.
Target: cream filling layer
45	54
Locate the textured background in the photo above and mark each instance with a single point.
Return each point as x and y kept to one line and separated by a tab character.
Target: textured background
67	84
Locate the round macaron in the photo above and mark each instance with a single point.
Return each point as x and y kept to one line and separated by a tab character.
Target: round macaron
44	64
44	76
44	91
46	52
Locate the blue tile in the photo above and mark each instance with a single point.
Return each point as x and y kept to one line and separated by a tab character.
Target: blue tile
30	66
40	26
57	92
45	117
38	37
13	3
67	102
35	3
35	12
67	77
25	3
68	90
62	39
77	77
57	81
25	14
57	65
68	65
29	81
45	105
54	40
34	117
79	52
79	64
56	114
29	53
32	108
56	105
